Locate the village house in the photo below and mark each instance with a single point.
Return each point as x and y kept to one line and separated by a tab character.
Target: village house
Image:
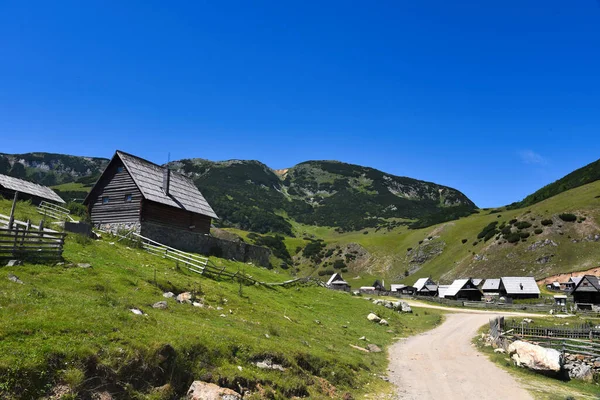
491	287
378	286
402	289
569	285
463	289
586	294
425	287
519	287
15	188
336	282
135	194
442	289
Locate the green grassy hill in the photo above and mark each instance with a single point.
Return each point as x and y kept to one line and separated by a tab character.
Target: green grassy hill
70	330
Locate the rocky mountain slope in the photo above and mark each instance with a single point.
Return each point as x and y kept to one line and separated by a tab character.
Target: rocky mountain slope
251	196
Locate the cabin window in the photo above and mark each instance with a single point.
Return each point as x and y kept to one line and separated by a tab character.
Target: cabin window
105	200
119	169
128	198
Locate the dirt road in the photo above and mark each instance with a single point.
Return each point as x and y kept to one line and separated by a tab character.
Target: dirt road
443	364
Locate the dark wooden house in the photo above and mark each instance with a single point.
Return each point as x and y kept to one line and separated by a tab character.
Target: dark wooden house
132	192
11	188
336	282
519	287
463	289
425	287
587	292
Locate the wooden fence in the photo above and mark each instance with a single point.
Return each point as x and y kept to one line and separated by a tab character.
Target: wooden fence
54	211
30	244
583	331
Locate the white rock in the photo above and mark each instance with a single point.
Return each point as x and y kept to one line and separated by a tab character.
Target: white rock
185	297
373	317
535	357
136	311
168	295
383	322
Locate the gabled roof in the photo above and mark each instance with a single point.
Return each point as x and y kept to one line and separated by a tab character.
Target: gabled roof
335	277
148	177
593	280
398	286
520	285
477	281
442	289
458	285
431	288
491	284
575	279
420	283
30	188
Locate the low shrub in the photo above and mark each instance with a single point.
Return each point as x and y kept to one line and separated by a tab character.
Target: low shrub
512	221
524	235
512	237
547	222
538	231
464	241
523	225
568	217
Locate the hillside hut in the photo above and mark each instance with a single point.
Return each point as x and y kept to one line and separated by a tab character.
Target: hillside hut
336	282
402	289
586	294
136	194
425	287
491	286
573	281
519	287
378	286
463	289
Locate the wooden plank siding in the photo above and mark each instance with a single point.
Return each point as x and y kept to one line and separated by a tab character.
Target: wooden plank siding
115	184
176	217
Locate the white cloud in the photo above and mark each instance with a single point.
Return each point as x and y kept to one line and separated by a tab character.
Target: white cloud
531	157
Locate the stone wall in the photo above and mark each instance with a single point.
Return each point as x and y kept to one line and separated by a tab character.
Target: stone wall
581	366
206	244
119	227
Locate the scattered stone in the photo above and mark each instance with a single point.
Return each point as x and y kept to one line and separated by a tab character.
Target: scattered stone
13	263
223	316
101	396
317	322
535	357
527	321
197	304
362	338
582	372
373	317
373	348
267	336
499	350
405	307
269	364
161	305
185	297
543	243
168	295
15	279
383	322
84	265
239	367
209	391
136	311
219	308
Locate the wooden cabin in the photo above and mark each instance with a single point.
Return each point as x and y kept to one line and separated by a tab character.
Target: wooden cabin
402	289
132	192
378	286
336	282
425	287
15	188
586	294
463	289
491	286
519	287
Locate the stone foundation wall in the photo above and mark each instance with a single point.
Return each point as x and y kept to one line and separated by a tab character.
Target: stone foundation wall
119	227
581	366
205	244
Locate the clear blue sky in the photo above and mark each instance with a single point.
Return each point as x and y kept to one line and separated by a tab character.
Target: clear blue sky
493	98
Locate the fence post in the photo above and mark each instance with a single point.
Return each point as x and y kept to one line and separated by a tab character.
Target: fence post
15	241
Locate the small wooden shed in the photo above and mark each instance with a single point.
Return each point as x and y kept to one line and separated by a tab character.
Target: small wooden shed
587	292
463	289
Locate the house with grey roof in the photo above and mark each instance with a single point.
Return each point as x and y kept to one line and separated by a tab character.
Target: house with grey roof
519	287
463	289
586	294
571	283
425	287
336	282
402	289
491	286
133	192
26	190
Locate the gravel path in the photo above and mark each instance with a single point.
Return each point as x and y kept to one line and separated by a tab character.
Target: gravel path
443	363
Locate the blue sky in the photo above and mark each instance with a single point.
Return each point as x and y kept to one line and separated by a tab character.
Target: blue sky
495	99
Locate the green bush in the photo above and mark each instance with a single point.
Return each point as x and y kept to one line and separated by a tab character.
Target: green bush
547	222
506	230
568	217
464	241
524	235
538	231
512	237
523	225
491	227
512	221
339	264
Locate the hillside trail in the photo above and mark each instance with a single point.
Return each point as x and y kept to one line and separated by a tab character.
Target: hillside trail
444	364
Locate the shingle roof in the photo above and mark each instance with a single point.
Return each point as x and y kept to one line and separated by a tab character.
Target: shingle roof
442	289
491	284
594	281
394	287
33	189
335	277
520	285
576	279
149	179
420	283
477	281
456	286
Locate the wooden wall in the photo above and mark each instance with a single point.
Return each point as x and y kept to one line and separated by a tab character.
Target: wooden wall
175	217
115	185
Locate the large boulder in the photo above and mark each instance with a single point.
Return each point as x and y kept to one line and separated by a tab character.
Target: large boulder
209	391
535	357
404	307
185	297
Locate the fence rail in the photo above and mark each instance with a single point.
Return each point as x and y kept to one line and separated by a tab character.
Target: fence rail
32	245
580	332
54	211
